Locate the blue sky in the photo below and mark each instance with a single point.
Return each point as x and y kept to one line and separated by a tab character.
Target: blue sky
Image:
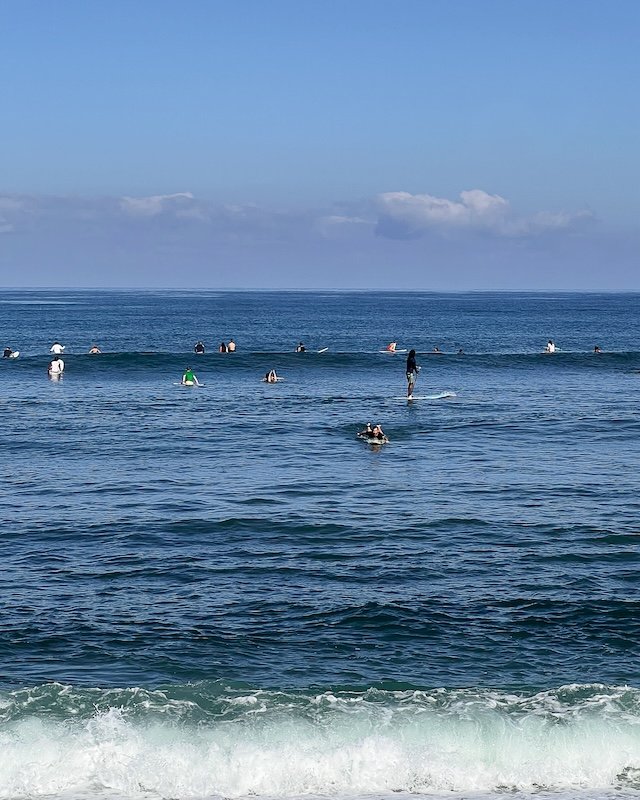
437	144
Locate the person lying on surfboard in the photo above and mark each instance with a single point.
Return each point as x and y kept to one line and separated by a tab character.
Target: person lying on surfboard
373	434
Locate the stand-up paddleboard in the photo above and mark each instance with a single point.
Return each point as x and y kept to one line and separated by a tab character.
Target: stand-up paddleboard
439	396
323	350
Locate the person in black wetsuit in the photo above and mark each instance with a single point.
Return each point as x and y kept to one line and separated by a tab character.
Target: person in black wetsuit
7	352
199	348
412	372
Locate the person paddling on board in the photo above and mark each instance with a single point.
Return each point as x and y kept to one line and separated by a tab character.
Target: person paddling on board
412	372
198	348
550	348
189	378
7	352
271	376
391	347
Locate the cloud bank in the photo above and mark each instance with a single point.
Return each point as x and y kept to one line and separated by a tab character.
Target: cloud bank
393	239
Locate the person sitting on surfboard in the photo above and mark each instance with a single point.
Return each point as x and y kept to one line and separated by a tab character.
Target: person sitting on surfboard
550	348
199	348
189	378
301	348
56	348
223	347
231	347
271	376
7	352
391	347
56	366
597	349
412	372
94	349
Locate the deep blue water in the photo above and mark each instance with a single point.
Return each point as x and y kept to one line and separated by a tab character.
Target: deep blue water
223	592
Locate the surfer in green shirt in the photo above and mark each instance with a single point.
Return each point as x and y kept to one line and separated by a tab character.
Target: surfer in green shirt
189	378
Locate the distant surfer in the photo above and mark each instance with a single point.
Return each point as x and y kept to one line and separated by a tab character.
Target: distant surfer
373	434
189	378
231	347
550	348
94	350
271	376
198	348
301	348
391	347
412	373
460	352
56	367
6	353
437	351
222	348
57	348
597	349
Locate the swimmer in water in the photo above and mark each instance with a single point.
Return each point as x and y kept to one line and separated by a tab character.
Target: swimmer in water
412	373
198	348
189	378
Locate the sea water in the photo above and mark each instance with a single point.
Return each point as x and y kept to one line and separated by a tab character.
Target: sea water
222	592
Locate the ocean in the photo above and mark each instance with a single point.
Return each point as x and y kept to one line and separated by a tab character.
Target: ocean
221	592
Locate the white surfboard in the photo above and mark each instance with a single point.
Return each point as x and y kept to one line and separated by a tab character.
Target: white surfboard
393	351
15	354
323	350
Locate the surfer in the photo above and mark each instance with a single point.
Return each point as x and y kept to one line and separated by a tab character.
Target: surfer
6	353
550	348
56	367
189	378
198	348
391	347
437	351
94	349
57	348
301	348
271	376
231	347
222	348
412	372
373	434
597	349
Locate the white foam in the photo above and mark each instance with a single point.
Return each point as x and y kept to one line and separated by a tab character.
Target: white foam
331	744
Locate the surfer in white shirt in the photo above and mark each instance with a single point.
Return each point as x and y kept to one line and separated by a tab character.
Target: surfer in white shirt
56	367
57	348
550	348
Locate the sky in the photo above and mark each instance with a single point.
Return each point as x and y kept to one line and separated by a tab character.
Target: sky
427	144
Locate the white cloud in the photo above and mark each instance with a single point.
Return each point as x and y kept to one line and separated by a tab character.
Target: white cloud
402	215
182	203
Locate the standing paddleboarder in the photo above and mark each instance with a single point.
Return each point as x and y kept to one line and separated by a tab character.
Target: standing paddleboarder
412	373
